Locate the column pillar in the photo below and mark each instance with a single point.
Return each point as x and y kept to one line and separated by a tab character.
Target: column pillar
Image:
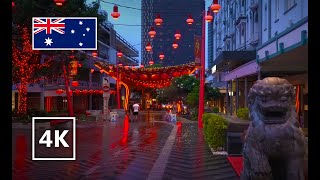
227	97
237	94
231	97
90	86
245	92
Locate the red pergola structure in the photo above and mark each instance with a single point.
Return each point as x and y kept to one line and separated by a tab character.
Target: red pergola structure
158	77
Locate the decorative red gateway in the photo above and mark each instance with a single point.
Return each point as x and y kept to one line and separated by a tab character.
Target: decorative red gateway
59	91
119	54
152	32
161	56
158	20
177	35
94	54
151	62
148	47
59	2
175	45
75	83
215	7
190	20
115	14
209	17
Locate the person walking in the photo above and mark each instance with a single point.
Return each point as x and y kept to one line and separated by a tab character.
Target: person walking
136	108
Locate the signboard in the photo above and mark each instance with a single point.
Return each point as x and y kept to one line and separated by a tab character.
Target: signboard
106	96
197	50
173	117
113	116
105	84
73	68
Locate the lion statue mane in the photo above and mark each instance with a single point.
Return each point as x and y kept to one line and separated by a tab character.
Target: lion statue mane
274	144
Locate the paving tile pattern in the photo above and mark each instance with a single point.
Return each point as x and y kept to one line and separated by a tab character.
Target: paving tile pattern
191	158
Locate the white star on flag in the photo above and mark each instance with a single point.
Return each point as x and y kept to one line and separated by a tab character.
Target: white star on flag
88	29
72	31
80	44
48	41
83	35
80	22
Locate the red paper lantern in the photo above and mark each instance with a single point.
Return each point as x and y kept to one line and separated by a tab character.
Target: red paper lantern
190	20
91	91
13	4
151	62
94	54
177	35
161	56
96	91
120	64
155	76
110	66
101	92
77	91
215	7
84	91
133	76
148	47
175	45
209	17
152	32
59	2
143	77
80	65
101	70
164	76
75	83
92	70
126	66
115	14
119	54
176	74
158	20
59	91
141	66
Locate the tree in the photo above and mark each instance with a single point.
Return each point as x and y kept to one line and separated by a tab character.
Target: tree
25	63
211	93
193	97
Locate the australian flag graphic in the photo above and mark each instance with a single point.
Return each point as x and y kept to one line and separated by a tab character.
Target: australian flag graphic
64	33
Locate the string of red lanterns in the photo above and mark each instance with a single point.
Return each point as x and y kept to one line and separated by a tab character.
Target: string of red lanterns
84	92
209	17
215	7
59	3
151	62
161	56
148	47
119	54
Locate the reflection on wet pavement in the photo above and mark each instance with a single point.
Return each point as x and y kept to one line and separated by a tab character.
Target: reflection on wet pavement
122	150
105	150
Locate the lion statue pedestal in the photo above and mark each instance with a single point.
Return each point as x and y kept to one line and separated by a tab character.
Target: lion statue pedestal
274	145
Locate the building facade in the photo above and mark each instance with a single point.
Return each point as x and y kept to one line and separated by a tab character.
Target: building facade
43	96
254	39
174	15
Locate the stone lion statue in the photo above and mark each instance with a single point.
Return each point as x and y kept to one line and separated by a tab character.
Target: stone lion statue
274	144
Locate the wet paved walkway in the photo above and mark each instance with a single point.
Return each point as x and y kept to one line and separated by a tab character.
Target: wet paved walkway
125	150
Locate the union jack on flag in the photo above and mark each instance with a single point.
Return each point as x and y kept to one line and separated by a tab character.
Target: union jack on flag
64	33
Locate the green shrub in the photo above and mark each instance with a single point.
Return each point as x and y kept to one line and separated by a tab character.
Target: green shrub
243	113
215	110
215	127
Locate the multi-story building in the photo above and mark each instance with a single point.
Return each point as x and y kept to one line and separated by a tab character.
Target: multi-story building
43	95
254	39
174	15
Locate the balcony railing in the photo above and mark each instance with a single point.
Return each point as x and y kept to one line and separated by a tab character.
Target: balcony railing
127	43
